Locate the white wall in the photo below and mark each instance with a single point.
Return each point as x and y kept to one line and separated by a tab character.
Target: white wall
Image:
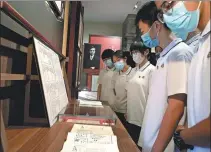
106	29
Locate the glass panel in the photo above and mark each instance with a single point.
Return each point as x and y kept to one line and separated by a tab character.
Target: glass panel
88	115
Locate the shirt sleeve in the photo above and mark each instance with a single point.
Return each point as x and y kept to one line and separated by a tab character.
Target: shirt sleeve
177	75
113	80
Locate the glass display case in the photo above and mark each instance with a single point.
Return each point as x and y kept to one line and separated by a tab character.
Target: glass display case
93	115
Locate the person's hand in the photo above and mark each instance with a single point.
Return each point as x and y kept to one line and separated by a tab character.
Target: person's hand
179	142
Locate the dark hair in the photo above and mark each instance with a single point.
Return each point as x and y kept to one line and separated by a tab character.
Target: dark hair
139	45
152	59
149	14
125	54
107	53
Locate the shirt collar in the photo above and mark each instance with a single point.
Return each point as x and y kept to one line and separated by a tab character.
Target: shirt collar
170	46
206	30
126	72
194	38
112	69
144	66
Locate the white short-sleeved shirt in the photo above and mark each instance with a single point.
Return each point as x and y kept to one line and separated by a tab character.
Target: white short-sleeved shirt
119	82
169	78
198	105
137	93
105	79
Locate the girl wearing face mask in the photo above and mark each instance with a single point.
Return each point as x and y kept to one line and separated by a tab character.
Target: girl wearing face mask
138	88
105	90
122	62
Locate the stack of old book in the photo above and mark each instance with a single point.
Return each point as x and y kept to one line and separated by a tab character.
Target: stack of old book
90	138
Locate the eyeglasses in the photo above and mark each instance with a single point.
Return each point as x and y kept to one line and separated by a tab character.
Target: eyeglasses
167	6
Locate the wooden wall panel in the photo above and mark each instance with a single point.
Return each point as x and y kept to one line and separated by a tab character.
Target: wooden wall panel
73	48
71	44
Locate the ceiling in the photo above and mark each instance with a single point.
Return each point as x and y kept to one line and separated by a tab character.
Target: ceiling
114	11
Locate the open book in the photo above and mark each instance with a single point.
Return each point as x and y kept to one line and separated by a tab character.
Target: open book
90	138
82	142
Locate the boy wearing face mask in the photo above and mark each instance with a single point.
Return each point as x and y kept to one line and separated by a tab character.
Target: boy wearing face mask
168	90
122	62
180	17
198	103
138	88
105	90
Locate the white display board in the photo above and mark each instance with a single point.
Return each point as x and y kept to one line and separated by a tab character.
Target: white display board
52	80
94	82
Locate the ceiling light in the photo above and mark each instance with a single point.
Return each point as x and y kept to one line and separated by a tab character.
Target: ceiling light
136	6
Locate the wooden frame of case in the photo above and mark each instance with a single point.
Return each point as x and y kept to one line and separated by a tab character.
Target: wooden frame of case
6	8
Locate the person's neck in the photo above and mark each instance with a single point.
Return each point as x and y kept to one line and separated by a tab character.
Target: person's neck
205	15
192	34
143	63
125	68
166	38
110	67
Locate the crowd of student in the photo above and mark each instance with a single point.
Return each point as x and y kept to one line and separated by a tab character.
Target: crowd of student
165	107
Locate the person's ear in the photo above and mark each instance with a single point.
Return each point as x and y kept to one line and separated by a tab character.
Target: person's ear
146	52
157	26
125	59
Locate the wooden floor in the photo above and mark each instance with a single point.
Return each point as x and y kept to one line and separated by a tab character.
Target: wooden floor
52	139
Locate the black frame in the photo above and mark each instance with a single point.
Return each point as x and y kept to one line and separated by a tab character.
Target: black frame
56	10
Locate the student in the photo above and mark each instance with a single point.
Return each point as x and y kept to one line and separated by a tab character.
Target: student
168	90
121	61
105	90
179	16
198	102
138	88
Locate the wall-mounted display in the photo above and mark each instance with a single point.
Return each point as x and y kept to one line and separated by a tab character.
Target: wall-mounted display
92	56
106	42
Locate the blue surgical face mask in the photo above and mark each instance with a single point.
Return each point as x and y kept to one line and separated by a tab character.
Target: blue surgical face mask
119	65
148	41
108	63
181	21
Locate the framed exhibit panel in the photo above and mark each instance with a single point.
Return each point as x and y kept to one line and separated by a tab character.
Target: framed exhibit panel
52	81
94	83
92	56
106	42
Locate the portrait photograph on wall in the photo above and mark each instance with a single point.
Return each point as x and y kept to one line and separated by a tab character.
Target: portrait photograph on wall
92	56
